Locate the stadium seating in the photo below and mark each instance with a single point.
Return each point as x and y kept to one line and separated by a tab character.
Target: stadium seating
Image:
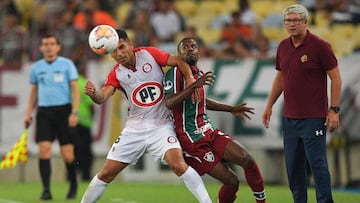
205	15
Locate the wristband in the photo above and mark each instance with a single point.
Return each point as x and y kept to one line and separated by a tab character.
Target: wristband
74	113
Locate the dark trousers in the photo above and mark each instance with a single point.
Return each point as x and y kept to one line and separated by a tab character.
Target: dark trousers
305	143
83	151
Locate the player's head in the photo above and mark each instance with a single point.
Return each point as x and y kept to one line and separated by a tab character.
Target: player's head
122	34
296	9
188	50
295	20
50	46
123	53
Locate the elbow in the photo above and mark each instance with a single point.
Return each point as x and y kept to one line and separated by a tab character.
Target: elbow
169	104
99	103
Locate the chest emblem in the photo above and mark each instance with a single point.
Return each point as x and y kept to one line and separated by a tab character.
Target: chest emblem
147	94
147	67
304	58
209	157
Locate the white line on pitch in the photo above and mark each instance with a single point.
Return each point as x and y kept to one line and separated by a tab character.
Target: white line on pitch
8	201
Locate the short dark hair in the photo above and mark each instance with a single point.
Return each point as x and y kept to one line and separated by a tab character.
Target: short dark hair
122	34
50	36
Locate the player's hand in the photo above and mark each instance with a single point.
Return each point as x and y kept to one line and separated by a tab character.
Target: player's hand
27	121
242	111
266	117
73	120
332	121
206	79
90	89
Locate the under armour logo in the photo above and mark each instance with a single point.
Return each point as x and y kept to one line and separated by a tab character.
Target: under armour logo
319	132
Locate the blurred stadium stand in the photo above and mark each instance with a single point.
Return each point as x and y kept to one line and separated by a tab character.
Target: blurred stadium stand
206	16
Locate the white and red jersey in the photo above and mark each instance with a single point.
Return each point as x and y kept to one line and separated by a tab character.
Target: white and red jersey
143	88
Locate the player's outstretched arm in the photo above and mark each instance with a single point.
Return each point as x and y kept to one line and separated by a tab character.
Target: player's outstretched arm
240	110
175	99
98	97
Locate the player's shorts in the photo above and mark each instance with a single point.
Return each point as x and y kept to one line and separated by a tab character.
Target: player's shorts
53	122
204	154
132	144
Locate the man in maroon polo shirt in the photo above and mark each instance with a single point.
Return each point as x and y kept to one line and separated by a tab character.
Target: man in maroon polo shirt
303	63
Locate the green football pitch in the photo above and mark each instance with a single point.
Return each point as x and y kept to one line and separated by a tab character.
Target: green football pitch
125	192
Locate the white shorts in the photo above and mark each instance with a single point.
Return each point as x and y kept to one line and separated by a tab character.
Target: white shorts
132	144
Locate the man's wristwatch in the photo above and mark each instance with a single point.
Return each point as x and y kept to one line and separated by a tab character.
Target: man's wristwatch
336	109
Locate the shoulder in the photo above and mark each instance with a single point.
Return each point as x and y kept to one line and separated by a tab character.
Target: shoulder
149	49
38	62
312	38
285	42
159	55
318	44
63	59
173	72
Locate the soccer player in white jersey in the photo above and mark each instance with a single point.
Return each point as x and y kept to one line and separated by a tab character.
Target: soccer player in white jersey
149	129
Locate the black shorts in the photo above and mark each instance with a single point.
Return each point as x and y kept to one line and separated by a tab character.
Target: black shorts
52	122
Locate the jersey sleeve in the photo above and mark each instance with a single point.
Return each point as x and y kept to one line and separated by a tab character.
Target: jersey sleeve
32	77
160	56
173	81
73	73
111	79
327	57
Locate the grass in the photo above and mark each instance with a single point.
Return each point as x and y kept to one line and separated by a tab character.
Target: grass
125	192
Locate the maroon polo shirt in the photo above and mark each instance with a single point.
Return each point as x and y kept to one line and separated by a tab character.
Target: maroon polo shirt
304	76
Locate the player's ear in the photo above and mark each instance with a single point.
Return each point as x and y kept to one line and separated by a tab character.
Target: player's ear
59	47
131	43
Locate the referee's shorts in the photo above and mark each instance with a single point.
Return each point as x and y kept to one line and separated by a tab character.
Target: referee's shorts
53	122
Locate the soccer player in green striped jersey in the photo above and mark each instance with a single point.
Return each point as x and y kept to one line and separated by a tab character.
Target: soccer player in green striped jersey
206	148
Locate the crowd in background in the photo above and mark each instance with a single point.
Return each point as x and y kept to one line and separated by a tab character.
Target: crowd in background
151	23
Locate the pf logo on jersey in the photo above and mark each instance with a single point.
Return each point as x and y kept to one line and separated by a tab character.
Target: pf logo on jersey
148	94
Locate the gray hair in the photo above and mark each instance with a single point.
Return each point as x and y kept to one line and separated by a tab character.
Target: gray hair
297	8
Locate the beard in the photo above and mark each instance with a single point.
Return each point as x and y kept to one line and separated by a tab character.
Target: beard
191	59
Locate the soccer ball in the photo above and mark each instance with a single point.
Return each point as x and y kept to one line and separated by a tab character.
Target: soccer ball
103	39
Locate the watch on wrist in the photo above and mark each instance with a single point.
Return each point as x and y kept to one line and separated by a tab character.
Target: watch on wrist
336	109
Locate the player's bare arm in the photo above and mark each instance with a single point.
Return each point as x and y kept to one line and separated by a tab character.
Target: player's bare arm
240	110
73	117
101	96
243	111
332	118
186	71
175	99
183	66
276	90
32	101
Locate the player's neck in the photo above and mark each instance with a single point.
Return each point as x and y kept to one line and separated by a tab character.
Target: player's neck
50	59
